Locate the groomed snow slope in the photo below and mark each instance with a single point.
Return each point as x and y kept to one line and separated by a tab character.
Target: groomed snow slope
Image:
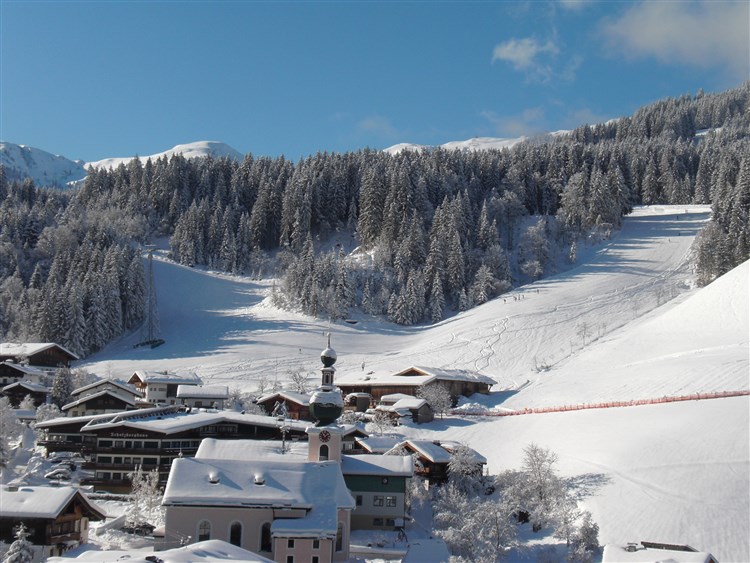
625	324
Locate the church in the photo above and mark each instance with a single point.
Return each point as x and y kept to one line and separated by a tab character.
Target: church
294	503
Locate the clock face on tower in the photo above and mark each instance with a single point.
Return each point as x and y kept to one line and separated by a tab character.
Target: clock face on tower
325	436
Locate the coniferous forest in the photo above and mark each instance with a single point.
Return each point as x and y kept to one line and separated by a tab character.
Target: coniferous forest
436	230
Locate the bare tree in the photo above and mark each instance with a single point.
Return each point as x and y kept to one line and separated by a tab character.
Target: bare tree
437	396
300	381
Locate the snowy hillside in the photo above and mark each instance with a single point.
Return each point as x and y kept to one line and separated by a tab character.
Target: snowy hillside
197	149
625	323
474	144
44	168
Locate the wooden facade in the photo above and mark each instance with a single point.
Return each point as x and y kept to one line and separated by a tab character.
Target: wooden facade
55	535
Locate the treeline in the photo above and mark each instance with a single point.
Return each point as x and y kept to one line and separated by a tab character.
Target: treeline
437	230
67	273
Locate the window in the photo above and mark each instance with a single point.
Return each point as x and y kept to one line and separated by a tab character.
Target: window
235	534
105	443
316	544
151	445
290	544
315	559
204	530
119	444
390	501
265	537
290	559
117	459
359	500
340	537
323	453
137	445
105	459
377	521
390	522
377	500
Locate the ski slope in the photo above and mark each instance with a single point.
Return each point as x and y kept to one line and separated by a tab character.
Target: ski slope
626	323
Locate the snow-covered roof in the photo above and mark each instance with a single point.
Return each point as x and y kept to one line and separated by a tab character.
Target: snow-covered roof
208	551
411	404
293	396
438	451
394	465
248	450
42	502
170	420
378	444
166	377
16	349
432	451
106	381
395	397
28	370
202	392
259	483
28	385
127	399
413	376
321	521
619	554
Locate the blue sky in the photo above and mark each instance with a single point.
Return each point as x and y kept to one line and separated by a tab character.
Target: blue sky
98	79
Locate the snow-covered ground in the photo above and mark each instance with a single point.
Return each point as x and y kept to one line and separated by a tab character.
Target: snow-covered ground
626	323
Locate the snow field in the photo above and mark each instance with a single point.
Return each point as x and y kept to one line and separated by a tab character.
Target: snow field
625	324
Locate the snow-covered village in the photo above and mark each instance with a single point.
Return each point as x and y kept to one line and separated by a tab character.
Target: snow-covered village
340	332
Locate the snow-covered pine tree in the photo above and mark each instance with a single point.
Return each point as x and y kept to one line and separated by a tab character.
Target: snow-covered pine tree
21	550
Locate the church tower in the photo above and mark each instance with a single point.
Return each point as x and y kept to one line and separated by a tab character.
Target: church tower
326	405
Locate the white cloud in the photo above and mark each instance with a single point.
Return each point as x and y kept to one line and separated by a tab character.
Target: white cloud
523	53
535	59
702	34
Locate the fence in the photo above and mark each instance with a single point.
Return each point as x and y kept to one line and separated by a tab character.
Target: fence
608	405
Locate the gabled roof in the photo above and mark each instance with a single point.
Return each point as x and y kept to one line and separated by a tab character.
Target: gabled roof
386	465
28	385
378	444
302	399
106	381
259	483
44	502
174	419
26	370
17	349
435	451
413	376
165	377
127	399
202	392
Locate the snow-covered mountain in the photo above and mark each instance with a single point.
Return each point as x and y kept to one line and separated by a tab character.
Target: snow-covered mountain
45	169
474	144
198	149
